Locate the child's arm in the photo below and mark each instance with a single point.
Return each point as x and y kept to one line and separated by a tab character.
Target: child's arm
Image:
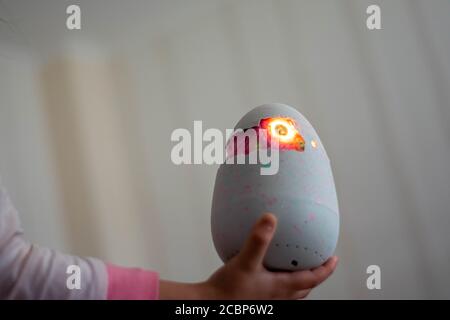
244	276
28	271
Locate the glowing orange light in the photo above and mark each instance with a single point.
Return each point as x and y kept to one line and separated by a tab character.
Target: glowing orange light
285	132
282	129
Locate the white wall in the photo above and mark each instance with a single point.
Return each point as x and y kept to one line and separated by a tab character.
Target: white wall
26	166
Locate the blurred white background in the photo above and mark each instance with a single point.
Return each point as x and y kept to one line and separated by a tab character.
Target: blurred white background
86	118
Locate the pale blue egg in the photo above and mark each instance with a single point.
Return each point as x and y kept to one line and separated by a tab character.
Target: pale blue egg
301	194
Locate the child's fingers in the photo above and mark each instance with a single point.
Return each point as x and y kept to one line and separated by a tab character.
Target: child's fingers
255	247
325	270
287	288
307	279
302	294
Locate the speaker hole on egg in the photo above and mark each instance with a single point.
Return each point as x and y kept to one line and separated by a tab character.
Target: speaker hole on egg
294	263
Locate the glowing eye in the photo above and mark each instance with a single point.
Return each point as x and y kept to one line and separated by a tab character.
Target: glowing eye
314	143
282	129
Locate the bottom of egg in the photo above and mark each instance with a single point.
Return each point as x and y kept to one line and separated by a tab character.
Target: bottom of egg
306	234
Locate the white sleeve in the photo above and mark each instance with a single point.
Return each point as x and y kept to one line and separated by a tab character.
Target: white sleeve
28	271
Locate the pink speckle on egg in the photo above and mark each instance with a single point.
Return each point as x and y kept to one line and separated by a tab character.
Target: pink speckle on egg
271	201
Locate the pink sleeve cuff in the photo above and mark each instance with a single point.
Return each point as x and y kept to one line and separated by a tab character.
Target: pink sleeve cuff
132	283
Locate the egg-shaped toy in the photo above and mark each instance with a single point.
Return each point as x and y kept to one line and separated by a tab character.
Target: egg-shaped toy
300	191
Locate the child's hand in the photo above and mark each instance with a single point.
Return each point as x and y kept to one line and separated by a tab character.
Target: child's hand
245	277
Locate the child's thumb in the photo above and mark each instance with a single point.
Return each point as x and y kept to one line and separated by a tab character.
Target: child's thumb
256	245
